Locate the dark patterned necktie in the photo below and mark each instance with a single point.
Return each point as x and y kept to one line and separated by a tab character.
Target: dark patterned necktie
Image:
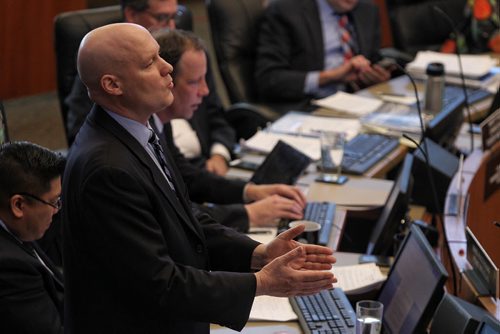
160	157
345	36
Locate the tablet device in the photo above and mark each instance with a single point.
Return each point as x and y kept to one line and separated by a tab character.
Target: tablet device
283	164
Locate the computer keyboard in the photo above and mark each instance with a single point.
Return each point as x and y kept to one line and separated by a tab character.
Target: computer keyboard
365	150
320	212
328	311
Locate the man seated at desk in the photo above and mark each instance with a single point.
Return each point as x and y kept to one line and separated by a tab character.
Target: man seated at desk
335	47
187	54
31	287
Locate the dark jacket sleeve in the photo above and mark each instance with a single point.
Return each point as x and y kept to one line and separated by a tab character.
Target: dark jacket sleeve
202	185
230	215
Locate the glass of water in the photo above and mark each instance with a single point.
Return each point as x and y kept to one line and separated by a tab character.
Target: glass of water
369	317
332	154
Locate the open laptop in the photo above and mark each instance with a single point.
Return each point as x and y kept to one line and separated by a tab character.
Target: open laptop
284	164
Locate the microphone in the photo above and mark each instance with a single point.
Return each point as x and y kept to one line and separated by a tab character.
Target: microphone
425	149
452	24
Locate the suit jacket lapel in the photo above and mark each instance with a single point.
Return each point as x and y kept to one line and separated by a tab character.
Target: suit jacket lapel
100	117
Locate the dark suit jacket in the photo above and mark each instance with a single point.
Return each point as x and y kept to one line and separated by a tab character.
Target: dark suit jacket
290	44
136	258
31	299
208	187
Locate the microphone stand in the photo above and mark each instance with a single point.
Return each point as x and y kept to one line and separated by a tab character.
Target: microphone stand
450	22
425	151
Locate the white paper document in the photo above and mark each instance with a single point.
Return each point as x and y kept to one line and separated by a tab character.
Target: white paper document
264	141
358	278
351	104
305	123
474	66
272	309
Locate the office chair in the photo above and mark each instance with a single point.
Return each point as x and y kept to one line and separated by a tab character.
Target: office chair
69	30
234	25
416	25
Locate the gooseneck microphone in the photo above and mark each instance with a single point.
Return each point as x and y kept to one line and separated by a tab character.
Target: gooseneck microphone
425	152
452	24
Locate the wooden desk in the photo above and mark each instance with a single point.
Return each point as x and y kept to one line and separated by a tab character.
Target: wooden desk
479	217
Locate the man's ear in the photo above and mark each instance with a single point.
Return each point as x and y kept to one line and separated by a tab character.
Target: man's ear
111	85
17	203
129	14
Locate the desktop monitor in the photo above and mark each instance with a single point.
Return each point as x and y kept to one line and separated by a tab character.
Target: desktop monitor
414	287
283	164
444	127
382	237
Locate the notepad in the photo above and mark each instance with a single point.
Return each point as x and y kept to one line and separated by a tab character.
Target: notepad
358	278
354	105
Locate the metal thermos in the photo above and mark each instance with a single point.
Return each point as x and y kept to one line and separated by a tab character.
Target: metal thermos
434	88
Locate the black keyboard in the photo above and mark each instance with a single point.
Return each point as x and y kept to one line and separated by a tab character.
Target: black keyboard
320	212
365	150
328	311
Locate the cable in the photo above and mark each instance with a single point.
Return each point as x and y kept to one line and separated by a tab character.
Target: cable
425	150
461	70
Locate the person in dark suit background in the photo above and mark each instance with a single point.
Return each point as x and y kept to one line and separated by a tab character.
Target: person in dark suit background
31	287
316	57
137	258
214	138
187	54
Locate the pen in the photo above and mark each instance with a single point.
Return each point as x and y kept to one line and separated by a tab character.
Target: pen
392	94
259	232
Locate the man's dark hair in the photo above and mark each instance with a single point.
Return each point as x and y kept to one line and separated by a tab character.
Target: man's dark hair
27	167
173	44
137	5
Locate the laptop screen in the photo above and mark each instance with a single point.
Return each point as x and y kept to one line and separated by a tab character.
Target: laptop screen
283	164
414	286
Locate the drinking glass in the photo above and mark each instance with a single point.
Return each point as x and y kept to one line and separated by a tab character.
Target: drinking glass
332	153
369	317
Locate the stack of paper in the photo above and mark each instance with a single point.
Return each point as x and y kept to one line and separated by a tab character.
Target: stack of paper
479	70
350	104
304	123
358	278
264	141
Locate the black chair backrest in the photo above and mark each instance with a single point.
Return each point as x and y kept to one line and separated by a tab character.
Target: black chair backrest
71	27
234	25
417	26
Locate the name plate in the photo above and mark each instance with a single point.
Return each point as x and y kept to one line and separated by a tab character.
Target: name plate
490	129
484	273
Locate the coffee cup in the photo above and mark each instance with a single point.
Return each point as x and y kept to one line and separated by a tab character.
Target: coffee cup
311	231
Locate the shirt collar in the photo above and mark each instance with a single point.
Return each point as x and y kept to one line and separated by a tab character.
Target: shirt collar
139	131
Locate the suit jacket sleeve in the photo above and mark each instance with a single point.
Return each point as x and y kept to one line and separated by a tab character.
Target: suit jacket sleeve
202	185
230	215
285	53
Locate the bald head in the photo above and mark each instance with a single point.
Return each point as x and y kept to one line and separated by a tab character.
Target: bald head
106	50
120	65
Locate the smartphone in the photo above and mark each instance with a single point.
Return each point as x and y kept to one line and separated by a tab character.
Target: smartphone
333	179
386	63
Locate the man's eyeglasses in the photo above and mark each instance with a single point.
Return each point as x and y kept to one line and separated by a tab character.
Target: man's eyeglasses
164	17
56	205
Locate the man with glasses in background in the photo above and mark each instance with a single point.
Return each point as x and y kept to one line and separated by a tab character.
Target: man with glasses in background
31	287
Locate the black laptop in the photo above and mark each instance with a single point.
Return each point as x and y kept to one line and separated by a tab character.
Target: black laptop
284	164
